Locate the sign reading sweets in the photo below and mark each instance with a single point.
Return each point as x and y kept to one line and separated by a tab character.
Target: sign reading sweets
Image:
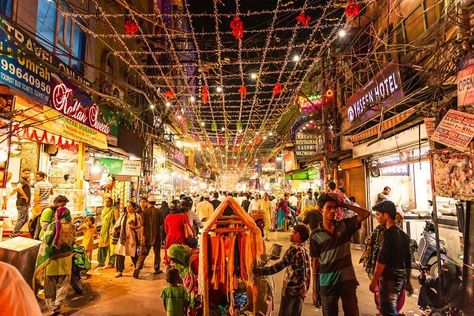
48	119
307	144
455	130
64	101
381	92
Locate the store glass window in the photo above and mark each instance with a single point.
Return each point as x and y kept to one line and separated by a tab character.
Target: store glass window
46	23
71	39
6	7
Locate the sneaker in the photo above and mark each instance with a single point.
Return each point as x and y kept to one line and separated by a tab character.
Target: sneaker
136	273
118	274
157	272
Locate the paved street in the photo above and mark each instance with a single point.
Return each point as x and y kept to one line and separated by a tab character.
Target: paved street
106	295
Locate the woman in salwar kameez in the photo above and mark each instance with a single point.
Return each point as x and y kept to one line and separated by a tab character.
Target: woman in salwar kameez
109	216
128	226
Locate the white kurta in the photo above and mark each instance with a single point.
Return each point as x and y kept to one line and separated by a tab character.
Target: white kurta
130	246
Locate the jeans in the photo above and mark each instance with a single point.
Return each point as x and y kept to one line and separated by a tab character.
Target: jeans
290	306
389	293
145	250
349	302
120	262
22	218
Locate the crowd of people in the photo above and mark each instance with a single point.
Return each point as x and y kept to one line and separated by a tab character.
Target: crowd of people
328	220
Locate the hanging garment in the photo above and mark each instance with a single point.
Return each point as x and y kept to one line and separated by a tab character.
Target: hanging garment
236	271
229	244
214	250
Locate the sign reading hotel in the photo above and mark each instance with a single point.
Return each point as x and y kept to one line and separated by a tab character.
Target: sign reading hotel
455	130
307	144
383	91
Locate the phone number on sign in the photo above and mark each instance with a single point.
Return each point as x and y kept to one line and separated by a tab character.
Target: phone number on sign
23	75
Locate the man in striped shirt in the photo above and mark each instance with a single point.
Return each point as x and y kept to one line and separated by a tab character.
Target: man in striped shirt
43	191
331	257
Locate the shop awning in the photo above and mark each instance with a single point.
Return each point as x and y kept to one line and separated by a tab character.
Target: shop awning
385	125
310	173
47	119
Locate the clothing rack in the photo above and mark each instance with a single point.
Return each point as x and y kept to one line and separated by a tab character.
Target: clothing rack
221	225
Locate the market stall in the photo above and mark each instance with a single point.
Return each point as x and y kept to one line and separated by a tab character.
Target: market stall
408	173
230	247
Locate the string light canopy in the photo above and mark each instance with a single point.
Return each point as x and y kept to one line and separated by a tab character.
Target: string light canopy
229	70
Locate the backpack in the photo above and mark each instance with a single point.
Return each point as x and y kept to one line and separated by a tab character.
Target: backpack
67	234
34	225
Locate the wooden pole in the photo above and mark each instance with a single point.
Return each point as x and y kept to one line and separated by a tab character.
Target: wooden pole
205	294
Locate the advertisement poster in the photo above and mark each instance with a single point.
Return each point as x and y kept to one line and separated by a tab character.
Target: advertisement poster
453	174
455	130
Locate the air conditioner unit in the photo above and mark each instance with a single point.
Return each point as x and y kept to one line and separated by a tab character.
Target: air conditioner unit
117	92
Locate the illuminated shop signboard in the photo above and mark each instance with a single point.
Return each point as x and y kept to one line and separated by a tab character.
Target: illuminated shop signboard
309	103
25	65
64	101
307	143
383	91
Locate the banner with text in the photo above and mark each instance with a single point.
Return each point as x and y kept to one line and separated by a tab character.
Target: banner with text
455	130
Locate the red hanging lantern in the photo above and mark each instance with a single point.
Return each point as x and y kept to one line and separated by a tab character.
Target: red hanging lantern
204	94
169	94
277	89
237	27
131	27
243	92
303	19
352	10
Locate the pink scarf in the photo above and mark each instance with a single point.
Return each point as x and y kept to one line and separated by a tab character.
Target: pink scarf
59	213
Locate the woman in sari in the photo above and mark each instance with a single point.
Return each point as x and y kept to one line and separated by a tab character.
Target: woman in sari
186	260
55	258
109	216
128	229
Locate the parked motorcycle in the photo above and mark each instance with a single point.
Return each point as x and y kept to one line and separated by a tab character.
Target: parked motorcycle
442	295
427	251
